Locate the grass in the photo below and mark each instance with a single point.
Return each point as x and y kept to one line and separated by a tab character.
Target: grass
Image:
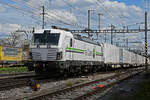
69	84
13	70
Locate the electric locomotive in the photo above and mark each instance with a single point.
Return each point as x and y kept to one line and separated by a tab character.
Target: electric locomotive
56	50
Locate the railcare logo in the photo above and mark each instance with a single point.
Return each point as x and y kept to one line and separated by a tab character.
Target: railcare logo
10	51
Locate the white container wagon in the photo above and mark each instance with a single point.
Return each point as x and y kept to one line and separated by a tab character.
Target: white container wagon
113	56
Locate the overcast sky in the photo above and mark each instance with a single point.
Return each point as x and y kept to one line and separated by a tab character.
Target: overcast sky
17	14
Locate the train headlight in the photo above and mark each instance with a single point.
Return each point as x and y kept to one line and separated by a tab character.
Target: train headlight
36	65
59	55
30	55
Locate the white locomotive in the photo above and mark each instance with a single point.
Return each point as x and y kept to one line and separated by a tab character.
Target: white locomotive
57	50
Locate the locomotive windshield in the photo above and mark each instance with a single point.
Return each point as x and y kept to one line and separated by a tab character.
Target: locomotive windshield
51	39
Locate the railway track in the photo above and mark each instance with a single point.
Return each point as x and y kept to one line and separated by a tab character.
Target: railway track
81	91
20	80
16	81
100	90
12	84
16	74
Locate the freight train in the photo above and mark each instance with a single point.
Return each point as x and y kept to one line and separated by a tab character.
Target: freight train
59	51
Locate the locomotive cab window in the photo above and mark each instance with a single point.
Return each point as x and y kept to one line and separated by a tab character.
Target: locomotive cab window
51	39
70	42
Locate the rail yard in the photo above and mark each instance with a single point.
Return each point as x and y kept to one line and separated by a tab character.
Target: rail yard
107	59
62	90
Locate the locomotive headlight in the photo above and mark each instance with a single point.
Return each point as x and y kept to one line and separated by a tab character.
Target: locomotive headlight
36	65
59	55
30	55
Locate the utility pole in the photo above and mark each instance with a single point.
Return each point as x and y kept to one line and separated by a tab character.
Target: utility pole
89	19
105	37
112	28
33	30
99	22
127	43
43	17
146	54
111	35
99	18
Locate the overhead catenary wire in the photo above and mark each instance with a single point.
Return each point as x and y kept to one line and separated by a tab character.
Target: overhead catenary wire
68	20
98	2
79	11
120	16
102	5
22	10
28	11
54	17
74	7
60	17
62	21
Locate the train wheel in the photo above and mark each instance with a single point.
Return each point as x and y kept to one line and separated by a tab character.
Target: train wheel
65	73
94	70
37	71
